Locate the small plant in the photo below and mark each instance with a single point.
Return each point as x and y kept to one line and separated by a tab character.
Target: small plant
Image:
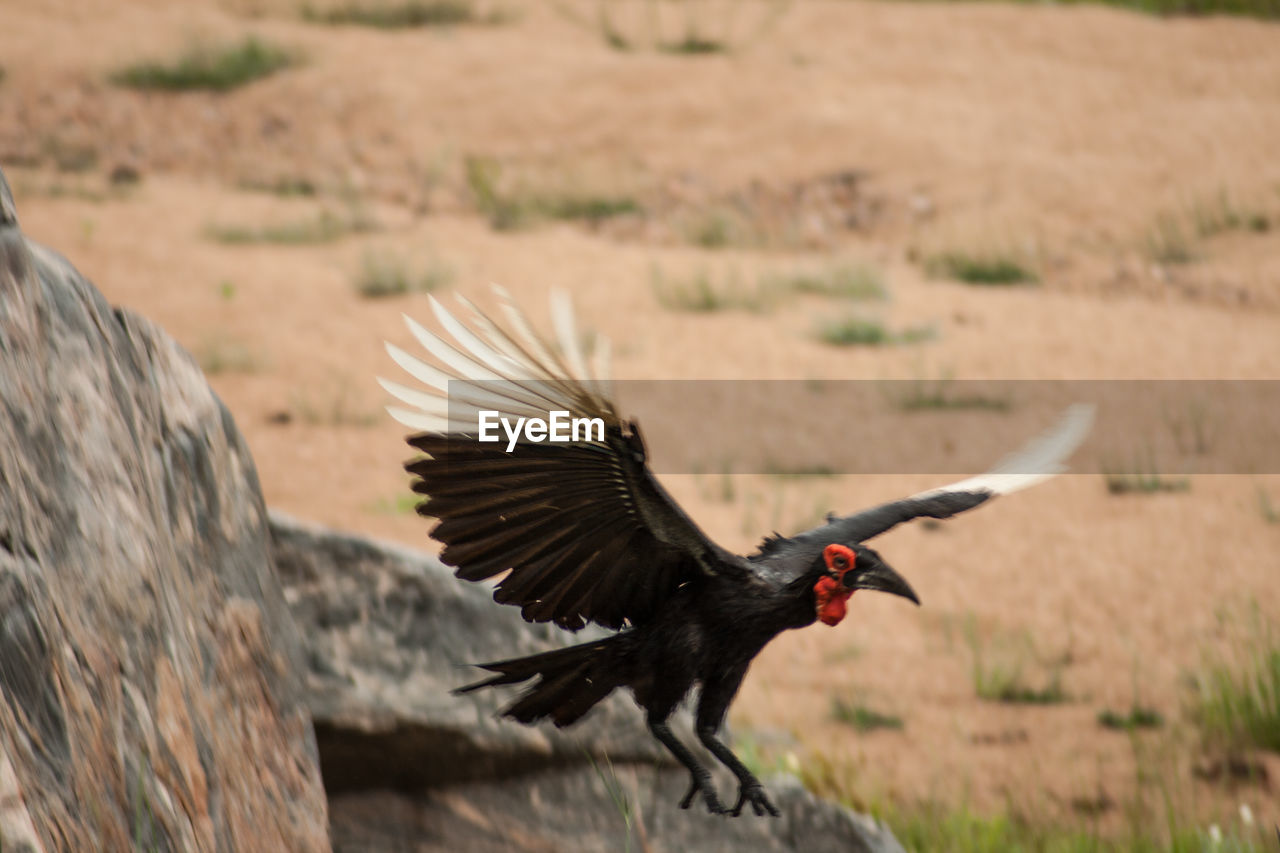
391	275
1142	477
220	354
922	395
509	210
1237	695
284	186
862	331
693	44
1223	213
699	294
1270	512
1001	679
717	229
325	228
217	69
589	208
693	39
1137	717
990	268
1167	242
392	16
1193	432
863	718
843	281
622	803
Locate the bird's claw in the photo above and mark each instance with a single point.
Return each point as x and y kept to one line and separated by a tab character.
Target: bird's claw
759	800
697	784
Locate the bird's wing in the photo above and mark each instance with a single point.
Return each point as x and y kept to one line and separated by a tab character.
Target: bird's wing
1039	460
588	533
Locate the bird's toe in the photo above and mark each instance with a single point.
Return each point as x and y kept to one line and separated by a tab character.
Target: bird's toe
709	796
759	800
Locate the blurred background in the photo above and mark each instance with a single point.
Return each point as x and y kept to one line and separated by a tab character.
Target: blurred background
750	189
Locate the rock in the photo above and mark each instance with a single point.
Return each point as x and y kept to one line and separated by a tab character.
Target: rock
390	633
150	689
409	766
589	809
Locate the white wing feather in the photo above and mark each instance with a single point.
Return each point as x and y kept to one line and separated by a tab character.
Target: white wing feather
487	367
1040	459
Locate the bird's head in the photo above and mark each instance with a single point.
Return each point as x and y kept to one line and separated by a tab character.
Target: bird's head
845	569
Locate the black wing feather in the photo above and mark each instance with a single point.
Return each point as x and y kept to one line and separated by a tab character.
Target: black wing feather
588	534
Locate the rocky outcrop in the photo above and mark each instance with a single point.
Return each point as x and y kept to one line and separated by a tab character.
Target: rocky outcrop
150	673
410	766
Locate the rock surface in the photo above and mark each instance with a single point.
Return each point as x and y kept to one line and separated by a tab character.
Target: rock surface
150	689
411	767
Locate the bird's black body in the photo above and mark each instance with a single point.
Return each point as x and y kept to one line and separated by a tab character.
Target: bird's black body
691	613
582	532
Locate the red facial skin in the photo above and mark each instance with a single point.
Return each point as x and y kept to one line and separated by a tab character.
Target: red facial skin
830	593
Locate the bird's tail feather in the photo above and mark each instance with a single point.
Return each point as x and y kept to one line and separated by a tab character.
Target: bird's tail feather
570	682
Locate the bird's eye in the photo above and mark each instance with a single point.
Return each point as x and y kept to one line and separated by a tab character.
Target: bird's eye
840	562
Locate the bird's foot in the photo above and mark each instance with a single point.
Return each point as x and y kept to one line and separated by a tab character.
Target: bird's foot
753	793
703	784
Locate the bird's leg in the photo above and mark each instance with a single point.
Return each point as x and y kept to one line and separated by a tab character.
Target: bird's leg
712	705
700	777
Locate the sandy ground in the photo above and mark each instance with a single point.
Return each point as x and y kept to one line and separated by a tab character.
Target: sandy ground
1068	135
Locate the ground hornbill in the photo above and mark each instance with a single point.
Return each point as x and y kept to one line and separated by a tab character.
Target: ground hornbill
586	534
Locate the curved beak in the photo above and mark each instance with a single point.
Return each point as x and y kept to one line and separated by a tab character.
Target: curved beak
883	578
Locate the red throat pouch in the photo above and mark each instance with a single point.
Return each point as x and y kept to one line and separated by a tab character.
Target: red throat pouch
831	597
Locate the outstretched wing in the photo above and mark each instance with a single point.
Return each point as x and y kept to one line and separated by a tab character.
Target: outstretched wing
588	533
1042	458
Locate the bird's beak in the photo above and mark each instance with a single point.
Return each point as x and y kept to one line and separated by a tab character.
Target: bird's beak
884	579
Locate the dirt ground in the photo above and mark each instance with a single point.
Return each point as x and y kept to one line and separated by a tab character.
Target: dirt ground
1084	139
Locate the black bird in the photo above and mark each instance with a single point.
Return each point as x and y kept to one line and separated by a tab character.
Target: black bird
589	535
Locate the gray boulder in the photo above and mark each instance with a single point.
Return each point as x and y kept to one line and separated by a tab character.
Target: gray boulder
411	767
150	673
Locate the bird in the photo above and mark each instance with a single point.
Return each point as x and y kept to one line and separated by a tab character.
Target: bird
581	531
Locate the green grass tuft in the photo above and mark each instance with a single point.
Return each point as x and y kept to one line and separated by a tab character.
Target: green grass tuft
384	275
999	677
217	69
991	268
862	331
928	827
693	45
283	186
1270	512
863	718
718	229
1142	478
510	209
1266	9
1237	697
1137	718
843	281
924	395
325	228
700	294
395	16
1168	243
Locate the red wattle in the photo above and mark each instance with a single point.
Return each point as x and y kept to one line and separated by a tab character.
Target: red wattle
831	598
